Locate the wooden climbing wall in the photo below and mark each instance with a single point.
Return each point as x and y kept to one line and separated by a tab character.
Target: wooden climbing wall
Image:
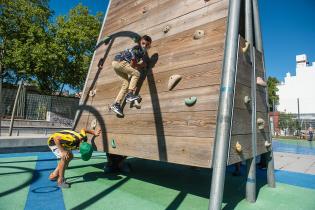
164	128
242	122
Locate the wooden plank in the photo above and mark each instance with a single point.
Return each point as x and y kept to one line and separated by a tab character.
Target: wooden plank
182	150
241	91
156	13
178	51
242	121
195	76
246	142
193	56
173	101
188	21
185	124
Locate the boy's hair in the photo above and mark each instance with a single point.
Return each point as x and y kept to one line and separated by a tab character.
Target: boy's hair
147	38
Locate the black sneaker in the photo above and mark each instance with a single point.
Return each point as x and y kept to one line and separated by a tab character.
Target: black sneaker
131	97
117	109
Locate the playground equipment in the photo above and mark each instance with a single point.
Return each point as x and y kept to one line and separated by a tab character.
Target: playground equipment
207	118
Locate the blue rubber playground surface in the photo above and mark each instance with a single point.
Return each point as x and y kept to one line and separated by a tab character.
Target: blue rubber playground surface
150	185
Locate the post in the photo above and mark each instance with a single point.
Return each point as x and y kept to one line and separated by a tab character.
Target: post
14	107
226	102
251	163
273	116
1	57
299	119
259	46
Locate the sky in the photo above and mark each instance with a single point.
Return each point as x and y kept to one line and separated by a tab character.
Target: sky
288	29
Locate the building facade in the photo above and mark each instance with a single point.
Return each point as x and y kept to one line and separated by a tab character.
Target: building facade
299	87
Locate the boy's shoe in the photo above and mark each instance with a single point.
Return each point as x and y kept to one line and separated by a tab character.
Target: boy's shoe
117	109
131	97
64	184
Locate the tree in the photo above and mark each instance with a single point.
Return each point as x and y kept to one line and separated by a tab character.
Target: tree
23	25
272	83
77	34
48	54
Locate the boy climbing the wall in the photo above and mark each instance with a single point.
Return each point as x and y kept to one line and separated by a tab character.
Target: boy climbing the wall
61	143
127	64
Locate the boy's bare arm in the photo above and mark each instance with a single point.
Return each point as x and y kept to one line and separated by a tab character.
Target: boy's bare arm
93	132
64	154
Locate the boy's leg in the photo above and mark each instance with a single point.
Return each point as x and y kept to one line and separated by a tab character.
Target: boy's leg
123	91
135	76
62	167
54	175
116	107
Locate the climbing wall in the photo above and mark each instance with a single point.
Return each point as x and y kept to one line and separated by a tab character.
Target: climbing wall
242	121
188	40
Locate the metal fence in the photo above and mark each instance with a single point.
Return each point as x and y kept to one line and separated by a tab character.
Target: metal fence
33	106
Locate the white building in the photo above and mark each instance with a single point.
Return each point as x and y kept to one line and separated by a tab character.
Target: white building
301	86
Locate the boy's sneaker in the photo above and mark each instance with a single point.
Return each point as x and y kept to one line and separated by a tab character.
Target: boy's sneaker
117	109
131	97
64	184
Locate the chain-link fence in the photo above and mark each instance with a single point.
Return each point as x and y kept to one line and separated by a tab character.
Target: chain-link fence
33	106
290	124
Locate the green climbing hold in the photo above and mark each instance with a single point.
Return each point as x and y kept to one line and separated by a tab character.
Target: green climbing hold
190	101
113	143
136	39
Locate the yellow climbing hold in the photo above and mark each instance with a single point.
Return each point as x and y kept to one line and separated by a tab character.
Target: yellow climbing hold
173	81
238	147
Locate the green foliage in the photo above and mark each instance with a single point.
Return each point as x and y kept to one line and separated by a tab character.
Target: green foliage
272	83
287	120
48	54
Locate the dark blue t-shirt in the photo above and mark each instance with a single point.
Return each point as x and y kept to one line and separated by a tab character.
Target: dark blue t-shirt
136	53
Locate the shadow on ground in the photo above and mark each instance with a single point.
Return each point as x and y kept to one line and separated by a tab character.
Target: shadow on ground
185	179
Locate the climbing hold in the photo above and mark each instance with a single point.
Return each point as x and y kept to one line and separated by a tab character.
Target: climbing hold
173	81
260	81
144	10
261	123
136	39
113	143
93	124
199	34
238	147
166	28
244	49
92	93
247	99
267	144
190	101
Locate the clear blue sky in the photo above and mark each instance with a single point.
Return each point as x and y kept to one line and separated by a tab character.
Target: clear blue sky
288	28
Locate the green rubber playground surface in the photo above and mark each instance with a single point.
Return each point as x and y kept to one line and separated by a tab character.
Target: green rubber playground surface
150	185
15	178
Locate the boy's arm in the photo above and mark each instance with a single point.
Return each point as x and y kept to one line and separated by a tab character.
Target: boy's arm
136	65
93	132
64	153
